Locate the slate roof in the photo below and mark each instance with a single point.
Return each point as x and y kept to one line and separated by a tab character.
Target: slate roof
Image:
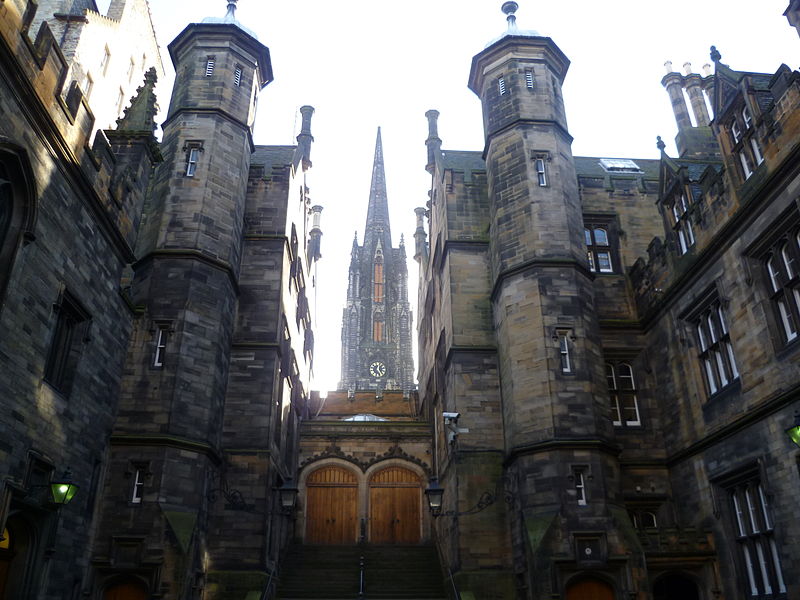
589	166
272	156
468	161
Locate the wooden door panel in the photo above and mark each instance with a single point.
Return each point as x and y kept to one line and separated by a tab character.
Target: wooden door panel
590	590
125	591
406	508
381	515
331	515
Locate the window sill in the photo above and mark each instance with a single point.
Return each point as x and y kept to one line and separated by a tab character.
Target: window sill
714	403
789	349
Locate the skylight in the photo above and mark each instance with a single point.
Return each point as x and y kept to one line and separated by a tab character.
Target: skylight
619	165
364	417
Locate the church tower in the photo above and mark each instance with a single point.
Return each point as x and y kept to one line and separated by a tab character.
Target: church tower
376	324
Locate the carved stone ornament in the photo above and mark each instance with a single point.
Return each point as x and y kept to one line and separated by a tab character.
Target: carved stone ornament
334	451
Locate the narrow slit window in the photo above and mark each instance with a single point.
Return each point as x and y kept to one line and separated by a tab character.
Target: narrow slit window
191	161
210	67
501	86
105	60
160	346
756	150
541	174
120	101
747	166
564	352
580	486
138	487
88	85
529	78
237	76
131	70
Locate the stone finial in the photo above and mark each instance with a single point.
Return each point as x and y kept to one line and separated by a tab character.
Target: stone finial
509	9
231	14
141	114
668	66
715	55
660	143
687	67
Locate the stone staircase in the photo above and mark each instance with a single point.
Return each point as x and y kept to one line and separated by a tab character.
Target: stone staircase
332	573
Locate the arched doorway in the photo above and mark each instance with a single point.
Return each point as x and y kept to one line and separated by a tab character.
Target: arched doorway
590	589
331	506
675	586
15	550
394	506
128	590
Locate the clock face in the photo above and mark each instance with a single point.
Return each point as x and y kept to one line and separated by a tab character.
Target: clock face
377	369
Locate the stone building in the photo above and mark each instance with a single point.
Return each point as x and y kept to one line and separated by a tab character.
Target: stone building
155	324
377	319
616	340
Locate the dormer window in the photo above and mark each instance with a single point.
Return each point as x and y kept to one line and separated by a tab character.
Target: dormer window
736	133
746	118
682	223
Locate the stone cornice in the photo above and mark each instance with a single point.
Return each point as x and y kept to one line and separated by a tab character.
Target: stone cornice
166	440
537	263
190	254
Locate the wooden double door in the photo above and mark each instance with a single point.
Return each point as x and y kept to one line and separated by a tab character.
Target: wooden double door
590	589
393	512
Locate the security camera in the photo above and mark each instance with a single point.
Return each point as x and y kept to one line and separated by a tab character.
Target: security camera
451	416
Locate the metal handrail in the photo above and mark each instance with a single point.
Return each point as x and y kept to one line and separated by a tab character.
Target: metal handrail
267	593
456	593
361	582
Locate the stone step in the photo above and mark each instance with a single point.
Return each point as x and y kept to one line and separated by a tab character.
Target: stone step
332	573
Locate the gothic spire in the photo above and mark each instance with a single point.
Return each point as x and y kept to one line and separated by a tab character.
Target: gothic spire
140	115
378	211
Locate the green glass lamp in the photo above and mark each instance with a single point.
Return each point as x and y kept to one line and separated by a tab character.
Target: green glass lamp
794	431
63	488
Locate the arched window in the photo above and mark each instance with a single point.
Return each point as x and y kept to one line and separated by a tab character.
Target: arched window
17	207
622	393
377	279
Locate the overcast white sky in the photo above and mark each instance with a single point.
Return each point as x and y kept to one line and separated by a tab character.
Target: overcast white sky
365	63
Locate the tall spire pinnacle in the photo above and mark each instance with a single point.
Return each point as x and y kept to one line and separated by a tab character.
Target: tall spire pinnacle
231	14
509	8
378	211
